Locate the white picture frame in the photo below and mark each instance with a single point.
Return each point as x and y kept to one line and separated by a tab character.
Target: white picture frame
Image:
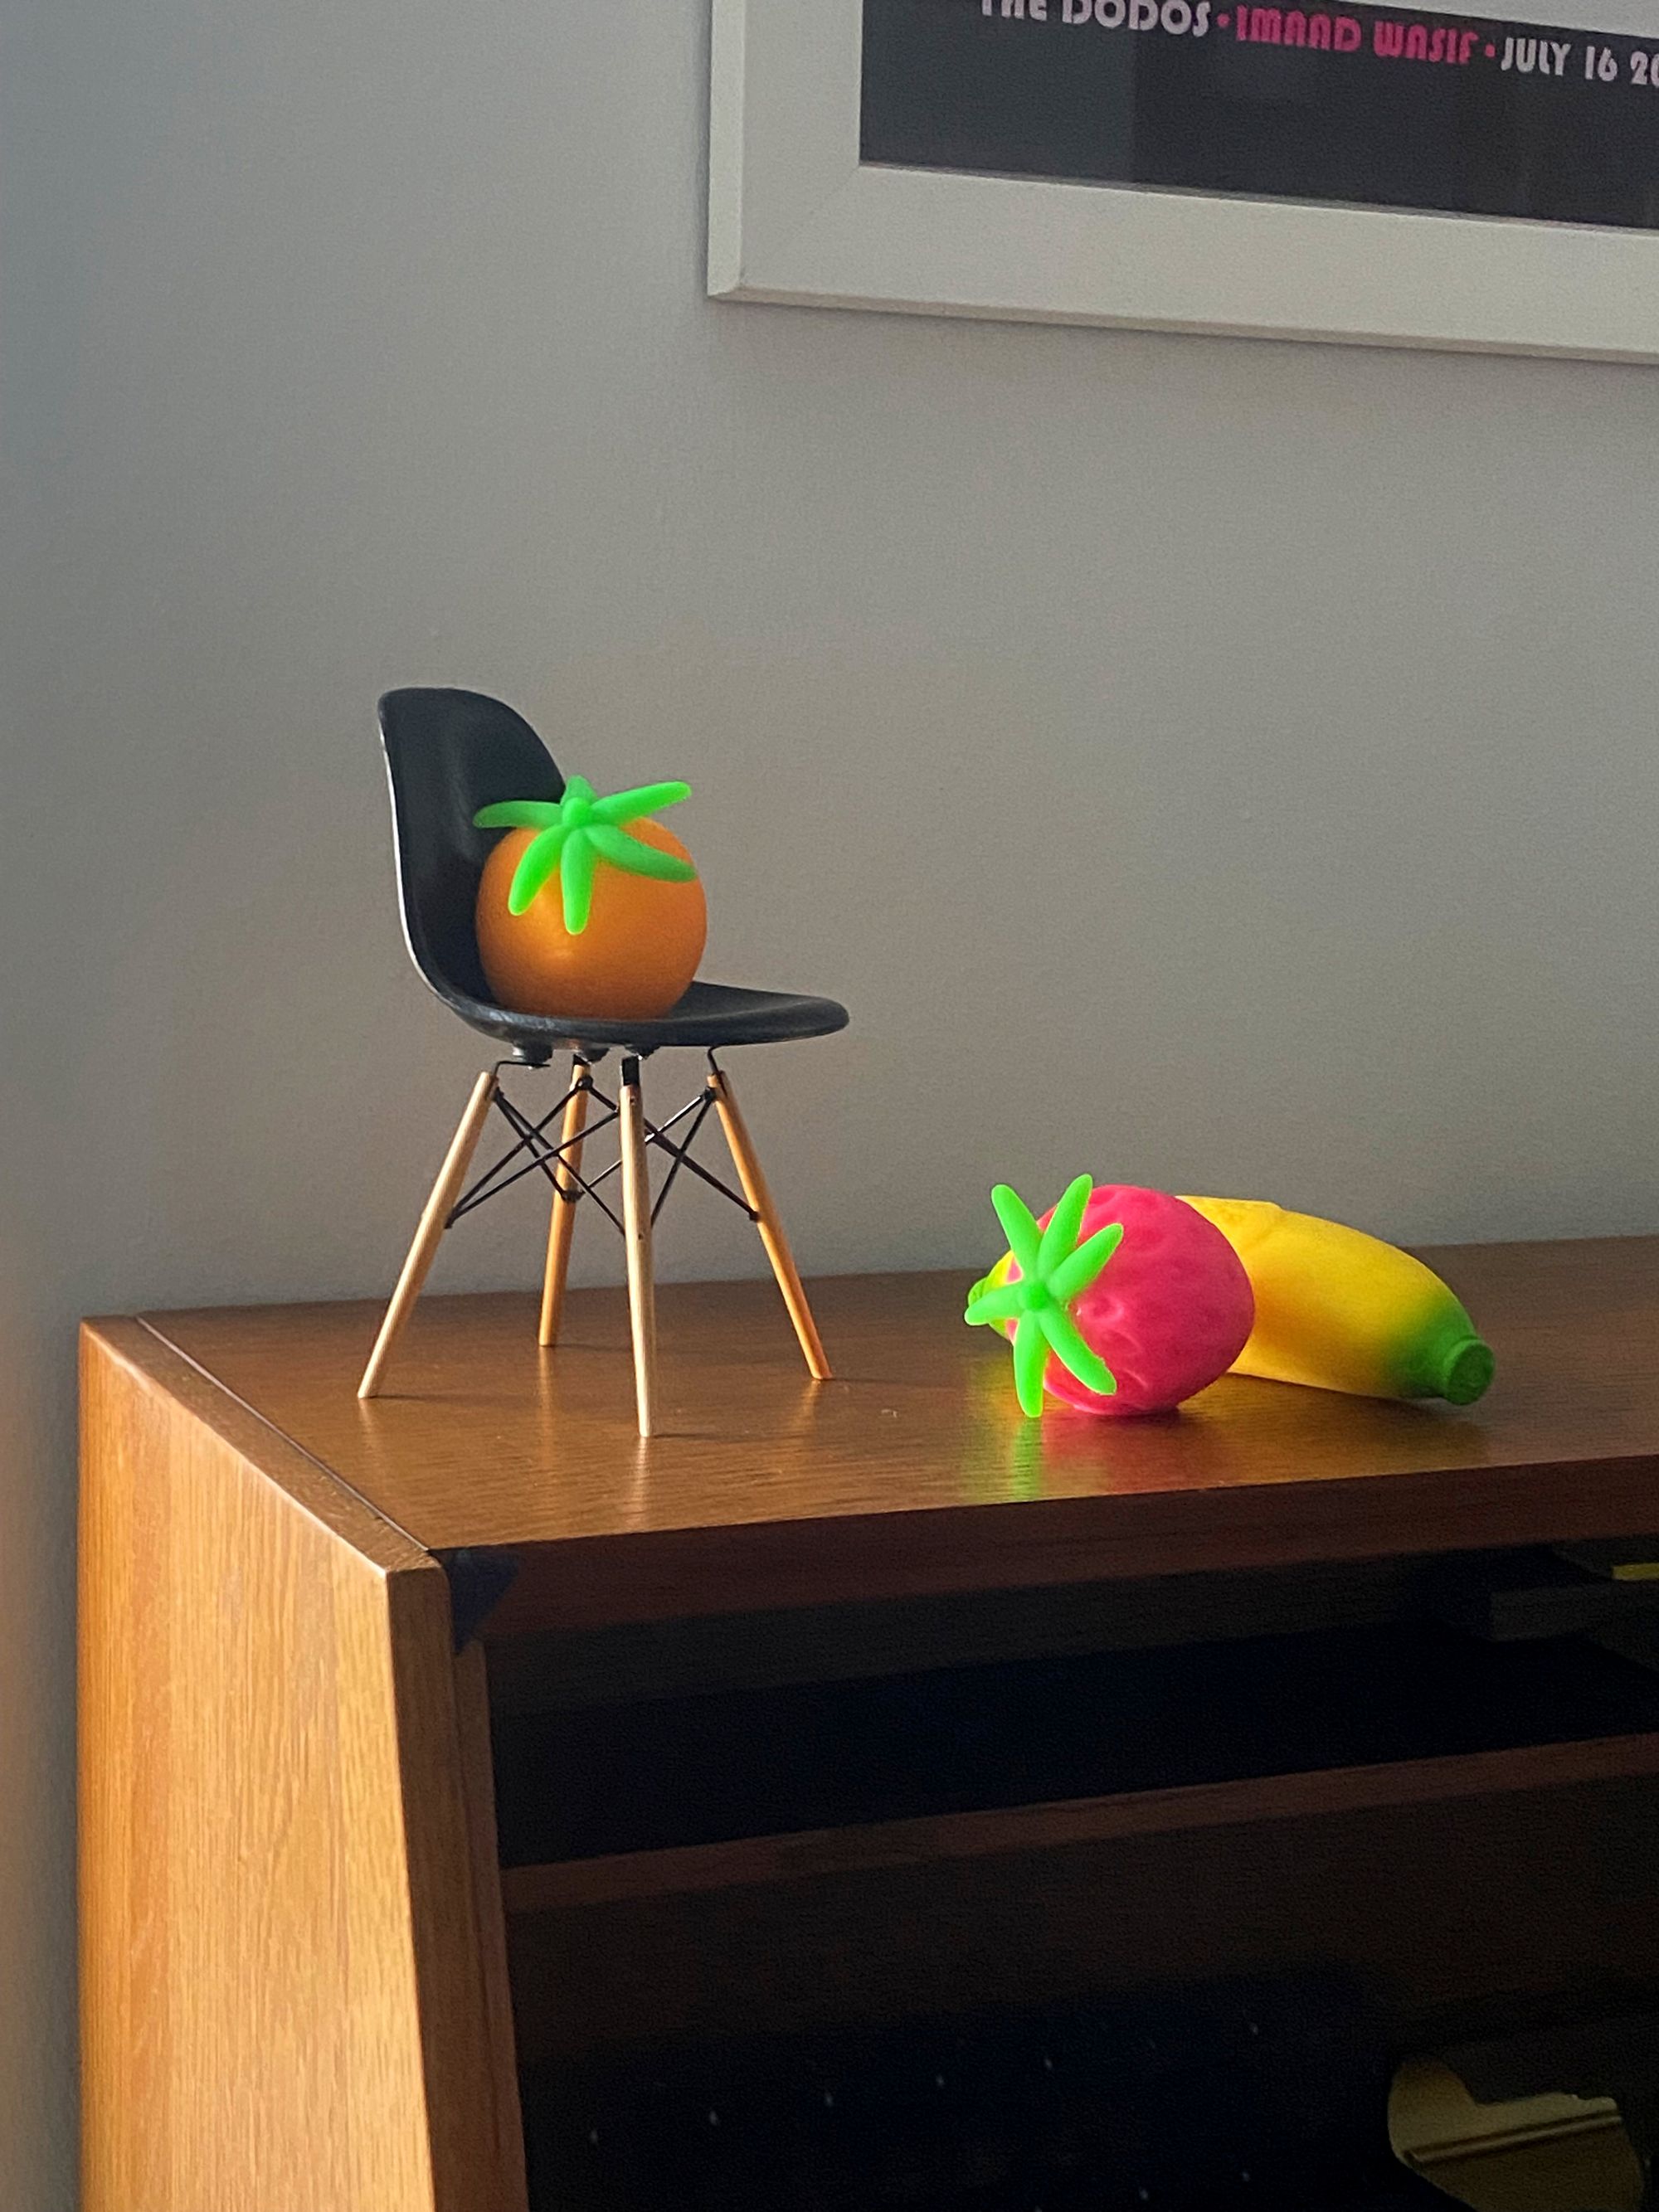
795	217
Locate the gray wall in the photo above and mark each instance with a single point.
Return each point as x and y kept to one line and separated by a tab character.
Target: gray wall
1207	763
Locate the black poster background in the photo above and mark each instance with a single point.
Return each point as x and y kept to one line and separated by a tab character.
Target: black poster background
946	87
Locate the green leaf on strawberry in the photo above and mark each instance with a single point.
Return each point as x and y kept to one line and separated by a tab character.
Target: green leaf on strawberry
1055	1270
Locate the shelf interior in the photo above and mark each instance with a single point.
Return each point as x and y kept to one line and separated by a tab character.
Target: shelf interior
667	1772
1223	2097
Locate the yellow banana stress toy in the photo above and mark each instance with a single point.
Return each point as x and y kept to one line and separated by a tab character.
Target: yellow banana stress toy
1344	1311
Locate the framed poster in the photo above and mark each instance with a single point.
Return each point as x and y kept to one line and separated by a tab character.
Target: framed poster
1338	169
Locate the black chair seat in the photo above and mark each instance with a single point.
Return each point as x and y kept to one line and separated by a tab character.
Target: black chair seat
709	1015
451	753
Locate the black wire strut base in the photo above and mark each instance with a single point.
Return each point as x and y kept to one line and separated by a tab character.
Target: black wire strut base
540	1152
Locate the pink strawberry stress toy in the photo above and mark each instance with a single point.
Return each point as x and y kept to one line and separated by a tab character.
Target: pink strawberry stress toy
1119	1301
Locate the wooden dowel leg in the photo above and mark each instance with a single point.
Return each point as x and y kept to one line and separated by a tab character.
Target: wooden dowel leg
746	1160
636	1229
562	1226
429	1235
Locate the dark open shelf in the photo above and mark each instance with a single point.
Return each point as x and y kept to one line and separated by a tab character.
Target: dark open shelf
677	1773
1216	2098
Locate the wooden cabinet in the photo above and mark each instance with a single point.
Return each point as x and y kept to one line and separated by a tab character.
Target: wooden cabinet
431	1742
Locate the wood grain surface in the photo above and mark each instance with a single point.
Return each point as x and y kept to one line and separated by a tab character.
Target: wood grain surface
941	1838
478	1781
282	1997
913	1472
296	1963
1542	1893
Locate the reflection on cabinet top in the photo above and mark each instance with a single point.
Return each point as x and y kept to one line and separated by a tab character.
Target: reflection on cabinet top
913	1471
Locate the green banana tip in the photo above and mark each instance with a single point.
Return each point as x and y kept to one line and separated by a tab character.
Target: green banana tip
1467	1372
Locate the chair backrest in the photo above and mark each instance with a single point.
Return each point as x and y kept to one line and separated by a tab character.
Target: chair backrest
447	753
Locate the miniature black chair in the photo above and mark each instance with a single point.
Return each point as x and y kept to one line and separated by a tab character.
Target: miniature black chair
448	754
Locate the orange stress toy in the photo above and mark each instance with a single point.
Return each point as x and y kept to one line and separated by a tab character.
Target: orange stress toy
587	907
